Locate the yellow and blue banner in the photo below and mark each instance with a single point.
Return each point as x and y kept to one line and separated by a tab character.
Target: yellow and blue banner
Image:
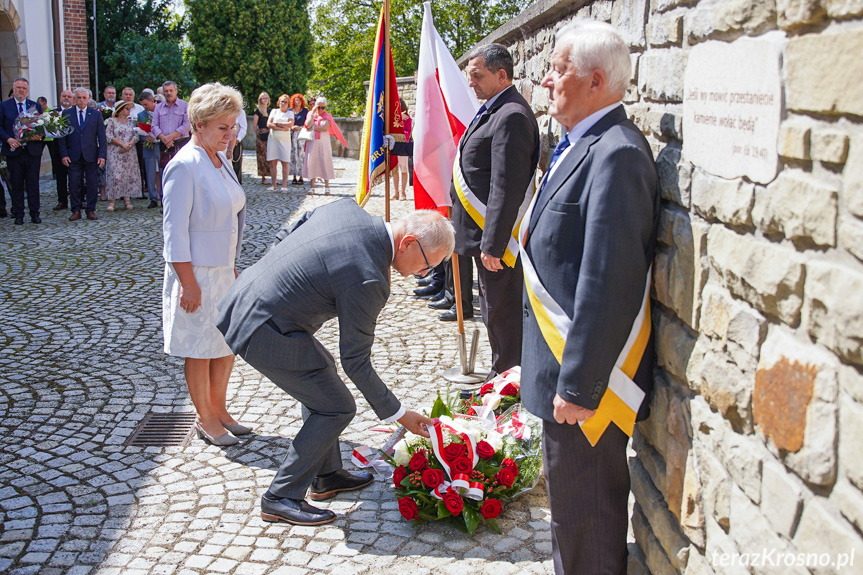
373	149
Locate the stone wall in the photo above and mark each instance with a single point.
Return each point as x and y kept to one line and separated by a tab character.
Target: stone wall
758	292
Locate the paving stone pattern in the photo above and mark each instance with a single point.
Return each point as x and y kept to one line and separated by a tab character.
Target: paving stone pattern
82	364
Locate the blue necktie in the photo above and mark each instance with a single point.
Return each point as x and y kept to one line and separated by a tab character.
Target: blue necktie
479	113
81	119
562	145
20	107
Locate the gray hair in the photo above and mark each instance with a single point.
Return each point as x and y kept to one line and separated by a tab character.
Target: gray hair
19	79
595	45
434	231
85	90
145	95
168	83
496	57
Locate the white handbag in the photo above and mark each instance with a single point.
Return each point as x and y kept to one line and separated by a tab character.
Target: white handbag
305	135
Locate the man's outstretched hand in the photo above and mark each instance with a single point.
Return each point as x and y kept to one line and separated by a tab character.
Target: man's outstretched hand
416	423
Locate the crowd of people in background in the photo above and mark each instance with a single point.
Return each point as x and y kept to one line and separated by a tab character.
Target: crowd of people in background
119	148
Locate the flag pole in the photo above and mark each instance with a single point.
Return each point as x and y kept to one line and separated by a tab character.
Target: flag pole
387	108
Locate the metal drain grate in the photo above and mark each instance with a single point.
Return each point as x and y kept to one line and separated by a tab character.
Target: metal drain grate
164	429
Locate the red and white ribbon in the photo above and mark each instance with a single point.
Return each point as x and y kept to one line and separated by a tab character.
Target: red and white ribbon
436	436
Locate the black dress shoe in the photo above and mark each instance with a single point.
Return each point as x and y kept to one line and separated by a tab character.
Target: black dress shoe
19	221
60	207
341	480
296	512
36	219
442	303
152	204
451	314
428	290
422	282
437	296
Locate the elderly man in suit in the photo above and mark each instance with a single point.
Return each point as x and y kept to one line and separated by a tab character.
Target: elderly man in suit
83	152
23	159
588	240
61	172
333	263
495	166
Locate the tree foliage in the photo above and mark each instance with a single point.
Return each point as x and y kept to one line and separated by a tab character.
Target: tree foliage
255	45
144	62
122	24
344	32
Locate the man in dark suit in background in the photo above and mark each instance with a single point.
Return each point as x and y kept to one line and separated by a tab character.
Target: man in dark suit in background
61	172
334	262
23	159
587	254
496	163
83	152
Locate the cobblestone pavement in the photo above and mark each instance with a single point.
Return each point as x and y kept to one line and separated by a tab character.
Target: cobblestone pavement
81	366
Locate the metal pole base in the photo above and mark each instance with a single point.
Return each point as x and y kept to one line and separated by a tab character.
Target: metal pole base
454	375
464	373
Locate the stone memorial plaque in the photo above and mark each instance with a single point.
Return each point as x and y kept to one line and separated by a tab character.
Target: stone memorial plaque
732	108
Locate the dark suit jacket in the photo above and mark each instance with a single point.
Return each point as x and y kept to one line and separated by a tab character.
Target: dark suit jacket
87	141
8	113
591	239
499	154
334	263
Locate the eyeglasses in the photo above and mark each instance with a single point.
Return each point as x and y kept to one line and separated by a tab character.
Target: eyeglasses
429	268
322	107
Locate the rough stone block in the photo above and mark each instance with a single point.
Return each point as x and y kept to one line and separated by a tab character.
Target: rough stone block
715	488
852	190
675	175
728	201
698	565
843	8
742	457
660	74
851	235
628	18
679	271
715	18
664	5
692	510
832	317
723	385
794	404
721	549
674	344
851	382
655	557
665	30
795	13
829	146
794	137
826	60
799	206
848	499
823	530
851	426
781	498
768	276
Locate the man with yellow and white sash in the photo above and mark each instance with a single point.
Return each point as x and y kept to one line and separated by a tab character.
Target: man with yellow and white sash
494	168
587	241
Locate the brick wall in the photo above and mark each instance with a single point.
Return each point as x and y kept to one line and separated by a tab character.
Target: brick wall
757	417
75	36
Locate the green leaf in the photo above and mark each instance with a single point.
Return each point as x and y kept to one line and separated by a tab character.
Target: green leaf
442	511
439	408
493	524
471	519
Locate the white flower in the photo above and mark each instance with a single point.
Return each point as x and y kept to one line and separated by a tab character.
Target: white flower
401	454
40	122
494	439
494	400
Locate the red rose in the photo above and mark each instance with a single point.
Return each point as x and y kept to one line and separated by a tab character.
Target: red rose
461	465
471	411
491	508
505	476
418	461
399	474
453	502
486	389
509	463
453	451
408	508
433	477
484	450
510	390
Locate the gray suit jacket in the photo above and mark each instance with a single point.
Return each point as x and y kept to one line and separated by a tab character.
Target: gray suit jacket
333	263
591	239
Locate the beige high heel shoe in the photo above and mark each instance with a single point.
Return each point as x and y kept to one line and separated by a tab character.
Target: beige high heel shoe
226	439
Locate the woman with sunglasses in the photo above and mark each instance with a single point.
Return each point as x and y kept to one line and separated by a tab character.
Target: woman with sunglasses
320	160
280	122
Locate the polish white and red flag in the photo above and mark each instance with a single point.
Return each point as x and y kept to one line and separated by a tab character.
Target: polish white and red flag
444	109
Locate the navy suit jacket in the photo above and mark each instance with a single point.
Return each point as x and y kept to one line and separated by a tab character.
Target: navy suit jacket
8	113
591	239
87	141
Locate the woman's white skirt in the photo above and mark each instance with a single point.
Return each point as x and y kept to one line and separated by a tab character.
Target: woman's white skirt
195	334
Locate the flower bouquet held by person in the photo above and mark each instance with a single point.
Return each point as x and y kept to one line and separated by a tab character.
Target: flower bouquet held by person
106	111
467	469
147	126
31	125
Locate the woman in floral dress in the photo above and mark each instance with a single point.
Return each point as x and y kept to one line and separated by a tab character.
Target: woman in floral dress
123	177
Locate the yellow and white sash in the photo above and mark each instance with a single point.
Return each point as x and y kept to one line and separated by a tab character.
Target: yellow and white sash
476	209
622	397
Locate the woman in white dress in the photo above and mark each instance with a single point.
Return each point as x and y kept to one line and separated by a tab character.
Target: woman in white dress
204	207
280	122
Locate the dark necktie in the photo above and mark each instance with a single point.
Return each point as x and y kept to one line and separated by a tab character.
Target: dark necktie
80	118
20	107
562	145
479	113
